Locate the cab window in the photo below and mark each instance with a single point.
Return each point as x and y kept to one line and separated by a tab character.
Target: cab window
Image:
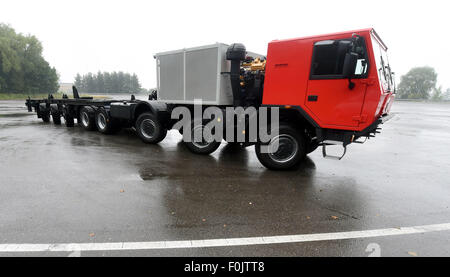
328	59
382	64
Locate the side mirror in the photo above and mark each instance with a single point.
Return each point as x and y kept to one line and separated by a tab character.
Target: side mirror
350	63
394	83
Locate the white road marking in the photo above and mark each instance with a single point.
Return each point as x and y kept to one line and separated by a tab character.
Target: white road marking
75	254
151	245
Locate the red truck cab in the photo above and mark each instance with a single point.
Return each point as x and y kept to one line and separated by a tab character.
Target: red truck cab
308	73
331	89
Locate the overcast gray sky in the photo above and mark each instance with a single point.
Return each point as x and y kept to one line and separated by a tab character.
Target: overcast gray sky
87	36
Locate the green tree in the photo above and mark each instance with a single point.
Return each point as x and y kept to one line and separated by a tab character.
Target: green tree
105	82
90	83
78	81
418	83
100	82
437	95
107	78
22	66
446	95
134	84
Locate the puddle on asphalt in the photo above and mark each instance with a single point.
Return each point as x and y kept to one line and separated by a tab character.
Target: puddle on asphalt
147	175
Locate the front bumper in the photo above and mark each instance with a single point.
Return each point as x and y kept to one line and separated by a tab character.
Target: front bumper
344	138
374	128
387	117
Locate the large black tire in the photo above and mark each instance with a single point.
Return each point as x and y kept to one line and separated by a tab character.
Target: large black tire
45	117
150	129
69	120
204	147
236	144
56	117
86	118
105	124
291	150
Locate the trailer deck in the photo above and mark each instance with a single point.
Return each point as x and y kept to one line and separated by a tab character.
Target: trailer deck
84	109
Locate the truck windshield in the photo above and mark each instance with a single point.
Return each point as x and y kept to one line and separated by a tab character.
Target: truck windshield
383	67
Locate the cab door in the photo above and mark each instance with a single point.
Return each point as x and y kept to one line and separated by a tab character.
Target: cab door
335	100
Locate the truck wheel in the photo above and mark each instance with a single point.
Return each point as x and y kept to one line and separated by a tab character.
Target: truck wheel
291	149
150	129
45	117
56	117
86	118
203	147
105	124
236	144
69	121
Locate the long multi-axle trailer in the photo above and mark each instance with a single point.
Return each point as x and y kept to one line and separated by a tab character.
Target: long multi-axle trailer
328	90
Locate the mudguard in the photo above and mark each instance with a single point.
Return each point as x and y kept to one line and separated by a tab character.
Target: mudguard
154	107
132	110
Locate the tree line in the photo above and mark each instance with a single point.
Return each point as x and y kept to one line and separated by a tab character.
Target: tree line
105	82
23	69
421	83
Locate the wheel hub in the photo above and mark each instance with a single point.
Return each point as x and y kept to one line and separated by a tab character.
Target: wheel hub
101	121
85	119
148	128
204	142
287	148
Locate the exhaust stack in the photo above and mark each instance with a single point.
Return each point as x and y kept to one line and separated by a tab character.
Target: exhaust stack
236	53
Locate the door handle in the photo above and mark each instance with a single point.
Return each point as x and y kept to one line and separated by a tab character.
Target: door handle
313	98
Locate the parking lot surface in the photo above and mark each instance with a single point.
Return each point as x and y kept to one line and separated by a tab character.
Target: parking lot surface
68	185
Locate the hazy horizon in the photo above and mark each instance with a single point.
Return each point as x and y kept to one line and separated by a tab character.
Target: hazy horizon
90	36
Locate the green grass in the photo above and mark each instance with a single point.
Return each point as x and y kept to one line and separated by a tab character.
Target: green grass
94	96
23	96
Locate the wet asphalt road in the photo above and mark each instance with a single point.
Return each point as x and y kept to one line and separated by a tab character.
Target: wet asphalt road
67	185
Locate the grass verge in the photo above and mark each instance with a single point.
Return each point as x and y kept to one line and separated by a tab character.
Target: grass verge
24	96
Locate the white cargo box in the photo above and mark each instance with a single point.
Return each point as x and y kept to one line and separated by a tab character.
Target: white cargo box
194	73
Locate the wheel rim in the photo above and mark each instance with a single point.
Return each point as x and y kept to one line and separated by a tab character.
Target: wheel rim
148	128
200	144
101	121
287	148
85	118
